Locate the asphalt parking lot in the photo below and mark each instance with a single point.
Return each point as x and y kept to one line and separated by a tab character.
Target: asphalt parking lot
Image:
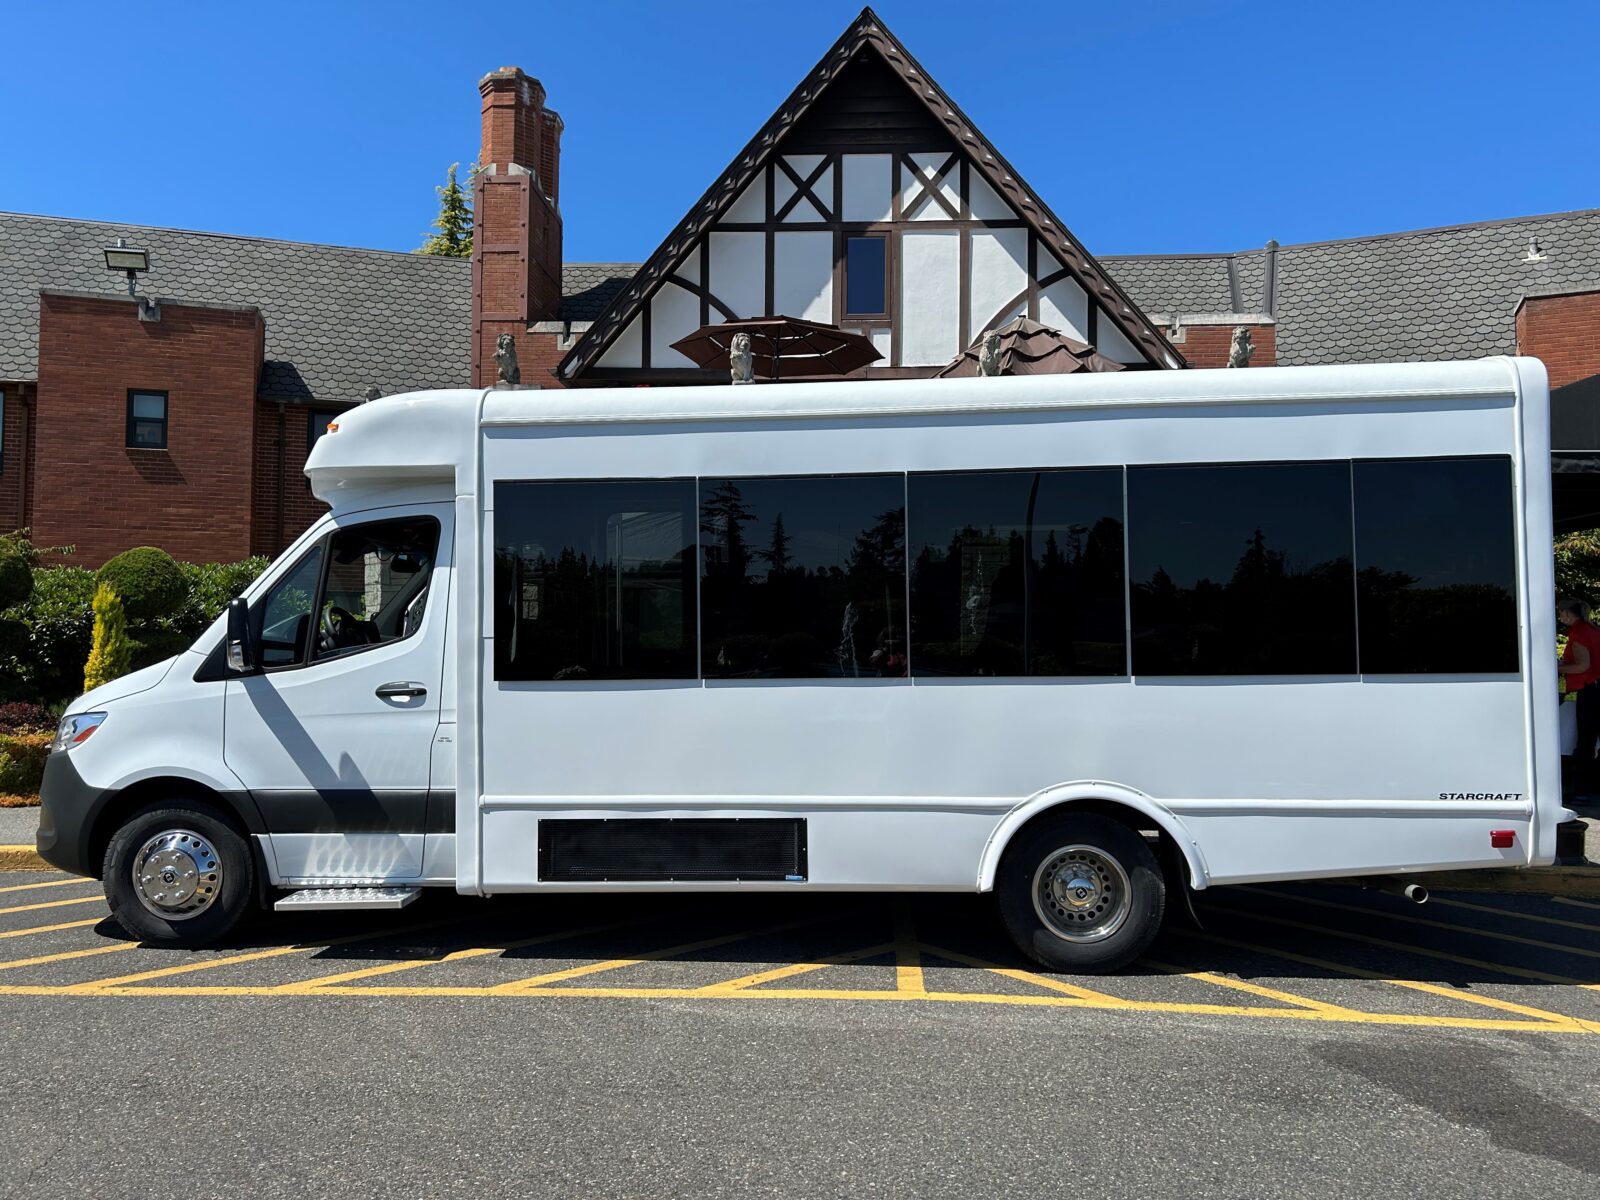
1314	1040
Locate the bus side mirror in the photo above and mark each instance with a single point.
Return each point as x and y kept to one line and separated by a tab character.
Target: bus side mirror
241	645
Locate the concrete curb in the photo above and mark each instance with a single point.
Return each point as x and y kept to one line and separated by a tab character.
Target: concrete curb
22	858
1573	883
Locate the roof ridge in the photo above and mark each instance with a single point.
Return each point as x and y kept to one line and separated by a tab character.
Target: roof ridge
1363	237
235	237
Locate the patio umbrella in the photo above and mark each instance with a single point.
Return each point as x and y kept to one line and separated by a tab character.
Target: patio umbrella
1029	348
782	347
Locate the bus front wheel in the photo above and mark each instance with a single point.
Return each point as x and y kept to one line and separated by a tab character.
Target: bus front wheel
179	875
1081	892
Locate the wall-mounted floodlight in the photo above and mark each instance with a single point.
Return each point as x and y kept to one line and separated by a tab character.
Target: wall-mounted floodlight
121	257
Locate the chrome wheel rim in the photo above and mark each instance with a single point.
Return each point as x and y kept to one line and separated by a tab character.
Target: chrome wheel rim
177	874
1081	894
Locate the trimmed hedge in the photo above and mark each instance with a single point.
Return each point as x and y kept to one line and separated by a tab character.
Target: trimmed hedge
22	758
148	581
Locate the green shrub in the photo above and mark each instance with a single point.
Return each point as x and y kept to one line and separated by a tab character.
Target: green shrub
149	582
22	758
44	640
112	653
16	574
210	587
156	645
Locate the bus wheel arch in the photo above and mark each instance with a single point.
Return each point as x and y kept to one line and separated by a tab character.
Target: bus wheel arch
155	790
1177	851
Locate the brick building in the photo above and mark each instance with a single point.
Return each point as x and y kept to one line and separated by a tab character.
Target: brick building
867	200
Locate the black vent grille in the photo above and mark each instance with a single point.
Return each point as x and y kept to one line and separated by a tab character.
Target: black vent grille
668	850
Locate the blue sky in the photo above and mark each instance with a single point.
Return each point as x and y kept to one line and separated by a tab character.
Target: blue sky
1151	127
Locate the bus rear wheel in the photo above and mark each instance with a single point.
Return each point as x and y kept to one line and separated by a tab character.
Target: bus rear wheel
178	875
1081	892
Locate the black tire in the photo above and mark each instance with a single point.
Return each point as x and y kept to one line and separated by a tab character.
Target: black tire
1120	914
232	874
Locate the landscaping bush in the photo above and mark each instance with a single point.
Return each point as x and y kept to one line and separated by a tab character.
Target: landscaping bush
16	573
44	640
22	758
112	653
210	587
149	582
21	717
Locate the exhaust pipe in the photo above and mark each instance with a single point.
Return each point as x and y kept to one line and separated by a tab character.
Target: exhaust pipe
1395	886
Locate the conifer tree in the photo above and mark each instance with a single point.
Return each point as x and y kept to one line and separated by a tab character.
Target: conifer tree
112	652
453	226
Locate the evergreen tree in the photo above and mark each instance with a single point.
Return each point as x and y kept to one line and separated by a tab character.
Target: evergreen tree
453	226
112	651
777	555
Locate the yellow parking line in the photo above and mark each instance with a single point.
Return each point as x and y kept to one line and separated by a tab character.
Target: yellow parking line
833	960
1408	948
1426	923
28	887
1415	985
95	985
1044	981
536	981
11	933
311	985
1030	1000
96	898
41	959
1521	916
907	959
1241	985
1575	903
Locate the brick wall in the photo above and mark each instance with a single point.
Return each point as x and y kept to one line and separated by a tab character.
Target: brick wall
281	498
1207	345
1563	331
16	455
192	499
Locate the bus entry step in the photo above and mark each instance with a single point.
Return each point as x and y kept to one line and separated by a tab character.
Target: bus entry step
310	899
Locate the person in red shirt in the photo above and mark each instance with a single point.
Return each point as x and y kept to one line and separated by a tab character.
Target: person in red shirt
1580	663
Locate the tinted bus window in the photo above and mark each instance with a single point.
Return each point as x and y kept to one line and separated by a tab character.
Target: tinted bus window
1241	569
803	577
1436	557
594	580
1017	573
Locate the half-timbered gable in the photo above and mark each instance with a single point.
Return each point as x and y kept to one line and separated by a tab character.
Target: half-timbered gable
868	201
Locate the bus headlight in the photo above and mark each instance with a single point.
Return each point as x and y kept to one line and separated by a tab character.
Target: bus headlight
75	730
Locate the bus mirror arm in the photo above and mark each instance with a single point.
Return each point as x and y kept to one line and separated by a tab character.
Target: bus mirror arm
241	642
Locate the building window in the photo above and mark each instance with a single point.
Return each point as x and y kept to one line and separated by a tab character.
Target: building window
317	425
147	420
866	276
1243	569
803	578
594	580
1437	565
1017	573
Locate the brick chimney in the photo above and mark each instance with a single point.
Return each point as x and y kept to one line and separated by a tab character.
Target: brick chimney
516	242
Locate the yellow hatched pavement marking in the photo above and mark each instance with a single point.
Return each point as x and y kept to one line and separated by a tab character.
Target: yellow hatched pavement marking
1415	985
11	933
907	958
28	887
54	904
538	981
1254	989
96	985
41	959
311	985
1429	924
1521	916
1044	981
729	986
1408	948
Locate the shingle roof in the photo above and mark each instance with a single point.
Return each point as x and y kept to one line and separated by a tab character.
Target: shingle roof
339	320
1420	295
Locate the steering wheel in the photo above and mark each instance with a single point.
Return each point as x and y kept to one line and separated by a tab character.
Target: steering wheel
339	628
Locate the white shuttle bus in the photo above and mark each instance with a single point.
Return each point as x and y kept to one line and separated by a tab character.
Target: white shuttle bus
1080	641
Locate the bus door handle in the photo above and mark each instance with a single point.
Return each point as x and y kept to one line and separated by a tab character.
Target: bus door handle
401	691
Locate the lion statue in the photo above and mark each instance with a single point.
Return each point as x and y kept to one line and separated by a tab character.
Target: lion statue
741	359
1240	348
505	354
